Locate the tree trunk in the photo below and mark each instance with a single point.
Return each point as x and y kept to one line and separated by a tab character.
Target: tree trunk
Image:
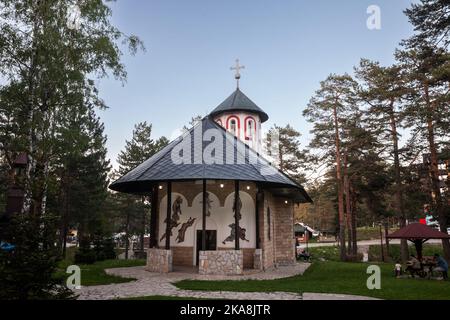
381	244
339	187
127	236
64	245
66	217
143	232
348	206
404	250
28	206
434	171
354	225
386	232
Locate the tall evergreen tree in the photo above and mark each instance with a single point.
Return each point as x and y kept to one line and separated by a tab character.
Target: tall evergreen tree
140	148
327	110
384	90
82	170
431	21
289	158
49	63
428	113
192	123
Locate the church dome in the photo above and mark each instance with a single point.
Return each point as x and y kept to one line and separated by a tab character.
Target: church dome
238	101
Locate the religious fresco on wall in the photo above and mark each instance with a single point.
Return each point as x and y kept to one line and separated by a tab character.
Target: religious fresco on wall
232	235
176	213
183	229
241	231
173	224
209	203
239	216
176	208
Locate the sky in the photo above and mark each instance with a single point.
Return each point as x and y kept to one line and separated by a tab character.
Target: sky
287	48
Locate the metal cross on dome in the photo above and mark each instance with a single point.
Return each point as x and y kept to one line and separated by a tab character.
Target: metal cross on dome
238	68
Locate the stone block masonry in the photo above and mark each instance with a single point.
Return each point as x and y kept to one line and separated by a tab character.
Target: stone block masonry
284	232
258	259
277	237
159	260
221	262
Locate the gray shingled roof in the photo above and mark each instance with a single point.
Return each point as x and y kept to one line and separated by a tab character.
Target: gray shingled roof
238	101
245	165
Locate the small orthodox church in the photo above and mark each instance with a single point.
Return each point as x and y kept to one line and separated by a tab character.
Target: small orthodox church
216	202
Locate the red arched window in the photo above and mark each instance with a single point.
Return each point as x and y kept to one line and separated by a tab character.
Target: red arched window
250	128
233	125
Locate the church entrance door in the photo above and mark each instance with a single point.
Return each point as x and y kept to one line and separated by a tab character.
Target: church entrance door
211	241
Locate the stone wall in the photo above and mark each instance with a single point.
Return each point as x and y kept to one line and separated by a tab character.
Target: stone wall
277	239
284	231
221	262
266	233
159	260
183	256
248	256
258	259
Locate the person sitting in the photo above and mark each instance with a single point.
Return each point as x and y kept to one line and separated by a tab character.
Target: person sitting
304	255
413	265
442	266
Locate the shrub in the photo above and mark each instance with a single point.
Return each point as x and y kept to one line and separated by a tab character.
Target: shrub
85	254
330	253
106	250
394	251
87	257
102	249
27	271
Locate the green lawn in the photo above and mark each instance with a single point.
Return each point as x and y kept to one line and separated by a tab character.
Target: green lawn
94	274
335	277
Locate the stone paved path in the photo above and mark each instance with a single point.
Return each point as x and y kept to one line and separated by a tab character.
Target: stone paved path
155	284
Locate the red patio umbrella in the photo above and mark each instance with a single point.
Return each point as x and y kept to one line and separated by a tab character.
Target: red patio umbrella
418	234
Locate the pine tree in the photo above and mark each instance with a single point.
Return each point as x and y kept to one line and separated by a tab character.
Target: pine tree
384	90
289	157
364	172
28	271
49	65
134	209
428	113
139	148
430	19
327	110
192	123
81	169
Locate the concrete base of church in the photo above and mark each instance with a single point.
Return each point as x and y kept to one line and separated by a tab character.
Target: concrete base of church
221	262
159	260
258	260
